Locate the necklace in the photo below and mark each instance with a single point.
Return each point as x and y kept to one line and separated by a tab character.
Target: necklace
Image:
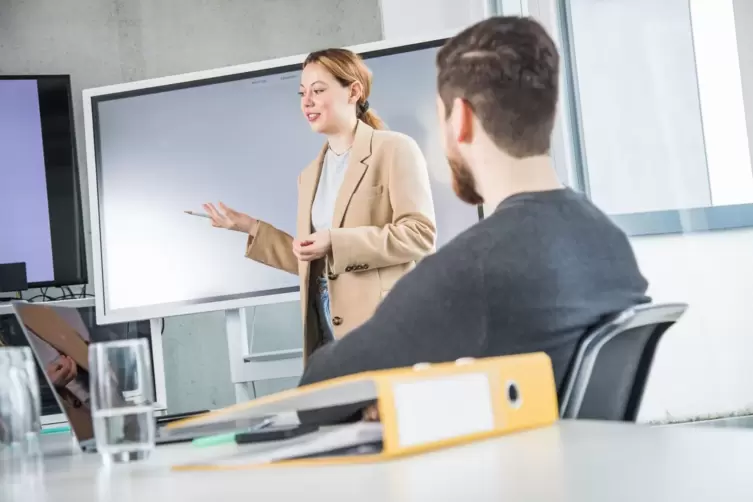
338	162
339	154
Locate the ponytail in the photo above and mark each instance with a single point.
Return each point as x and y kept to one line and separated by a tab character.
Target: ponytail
369	116
372	119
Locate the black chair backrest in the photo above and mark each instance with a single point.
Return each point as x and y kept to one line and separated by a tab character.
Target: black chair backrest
608	375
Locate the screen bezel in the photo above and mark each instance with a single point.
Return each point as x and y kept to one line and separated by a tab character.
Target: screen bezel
81	273
94	97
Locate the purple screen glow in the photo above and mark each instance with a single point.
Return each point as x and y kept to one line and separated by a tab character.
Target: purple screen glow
25	222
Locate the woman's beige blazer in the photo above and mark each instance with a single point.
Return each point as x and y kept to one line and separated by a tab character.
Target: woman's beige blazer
382	225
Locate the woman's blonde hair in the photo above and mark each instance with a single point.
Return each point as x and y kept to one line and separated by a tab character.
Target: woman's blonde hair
348	67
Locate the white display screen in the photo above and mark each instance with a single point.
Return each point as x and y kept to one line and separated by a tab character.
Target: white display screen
243	141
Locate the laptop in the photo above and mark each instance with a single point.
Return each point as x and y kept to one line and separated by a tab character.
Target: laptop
55	331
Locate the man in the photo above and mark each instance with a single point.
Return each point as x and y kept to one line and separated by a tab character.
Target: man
539	271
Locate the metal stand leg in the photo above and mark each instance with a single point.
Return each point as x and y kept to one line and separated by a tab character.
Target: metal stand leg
158	364
242	393
238	349
247	368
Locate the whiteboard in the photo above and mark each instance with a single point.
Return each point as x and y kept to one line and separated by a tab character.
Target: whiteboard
160	147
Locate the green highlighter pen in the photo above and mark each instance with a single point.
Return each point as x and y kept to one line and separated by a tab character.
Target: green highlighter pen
219	439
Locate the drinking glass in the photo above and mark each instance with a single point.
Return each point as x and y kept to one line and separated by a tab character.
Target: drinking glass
20	405
122	399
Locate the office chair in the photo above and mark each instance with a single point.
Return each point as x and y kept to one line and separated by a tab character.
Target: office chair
608	374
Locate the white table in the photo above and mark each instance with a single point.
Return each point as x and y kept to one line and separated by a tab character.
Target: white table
572	461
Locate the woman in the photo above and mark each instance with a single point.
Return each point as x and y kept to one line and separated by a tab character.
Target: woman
365	211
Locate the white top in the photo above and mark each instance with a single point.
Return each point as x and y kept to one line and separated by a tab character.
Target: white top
574	460
333	173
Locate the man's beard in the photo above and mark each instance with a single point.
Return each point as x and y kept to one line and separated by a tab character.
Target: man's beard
463	182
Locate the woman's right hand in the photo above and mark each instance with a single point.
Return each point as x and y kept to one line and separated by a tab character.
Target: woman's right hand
231	219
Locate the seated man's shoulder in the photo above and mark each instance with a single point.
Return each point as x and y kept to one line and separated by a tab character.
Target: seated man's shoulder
558	213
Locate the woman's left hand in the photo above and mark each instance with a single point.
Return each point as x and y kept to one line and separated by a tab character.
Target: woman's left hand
313	247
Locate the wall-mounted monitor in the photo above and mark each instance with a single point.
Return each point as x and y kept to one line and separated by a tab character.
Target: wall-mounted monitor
160	147
40	197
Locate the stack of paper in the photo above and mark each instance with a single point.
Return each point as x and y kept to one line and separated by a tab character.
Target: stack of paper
361	438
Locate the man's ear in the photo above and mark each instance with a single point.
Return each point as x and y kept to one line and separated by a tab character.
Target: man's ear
463	118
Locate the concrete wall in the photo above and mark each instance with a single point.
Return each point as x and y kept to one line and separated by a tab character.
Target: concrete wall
415	18
100	42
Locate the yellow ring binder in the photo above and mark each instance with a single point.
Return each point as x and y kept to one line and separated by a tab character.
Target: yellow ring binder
420	409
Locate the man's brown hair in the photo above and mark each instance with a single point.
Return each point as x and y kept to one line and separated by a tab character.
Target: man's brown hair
507	70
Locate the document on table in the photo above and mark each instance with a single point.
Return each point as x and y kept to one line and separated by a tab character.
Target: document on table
358	438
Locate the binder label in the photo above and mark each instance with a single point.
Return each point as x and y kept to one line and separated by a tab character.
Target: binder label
443	408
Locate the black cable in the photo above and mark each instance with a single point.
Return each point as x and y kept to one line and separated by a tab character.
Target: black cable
67	294
43	296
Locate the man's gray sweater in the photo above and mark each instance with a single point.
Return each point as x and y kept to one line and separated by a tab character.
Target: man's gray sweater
533	276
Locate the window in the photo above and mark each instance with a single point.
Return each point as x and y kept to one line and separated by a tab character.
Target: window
658	89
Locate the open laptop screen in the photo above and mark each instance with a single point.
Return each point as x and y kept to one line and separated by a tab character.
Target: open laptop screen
12	335
60	340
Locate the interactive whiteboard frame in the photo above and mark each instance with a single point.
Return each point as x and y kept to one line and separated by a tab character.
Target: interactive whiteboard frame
91	96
